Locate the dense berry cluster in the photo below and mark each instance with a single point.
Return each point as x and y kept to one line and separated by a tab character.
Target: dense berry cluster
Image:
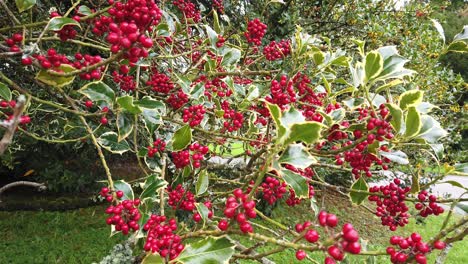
218	6
255	31
189	9
282	92
160	83
14	41
427	204
240	208
158	146
233	119
162	238
273	189
177	99
391	207
179	198
86	61
216	87
220	41
126	82
410	248
195	153
277	50
125	215
193	115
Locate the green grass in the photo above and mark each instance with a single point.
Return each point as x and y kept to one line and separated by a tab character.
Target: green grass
81	236
78	236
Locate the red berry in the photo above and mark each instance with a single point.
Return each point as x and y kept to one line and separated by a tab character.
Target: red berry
332	220
336	253
26	61
89	103
104	121
119	194
17	37
351	236
312	236
223	225
197	217
439	245
300	254
353	248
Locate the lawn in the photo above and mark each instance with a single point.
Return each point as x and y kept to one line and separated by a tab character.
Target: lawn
81	236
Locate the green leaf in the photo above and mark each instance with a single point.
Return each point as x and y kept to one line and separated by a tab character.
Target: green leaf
182	138
152	184
454	183
5	92
410	98
398	156
439	28
126	102
393	66
202	183
374	65
212	35
216	25
153	259
210	250
24	5
84	10
57	23
291	117
297	182
56	81
359	185
297	155
109	141
458	46
413	122
150	103
388	85
231	57
275	112
152	112
397	116
314	206
203	211
125	187
98	91
124	125
308	132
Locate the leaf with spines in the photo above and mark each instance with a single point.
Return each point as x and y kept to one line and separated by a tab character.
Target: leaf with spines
297	182
413	122
110	142
203	211
98	91
5	92
125	187
153	258
373	65
44	76
297	155
360	186
24	5
210	250
307	132
125	123
152	184
397	116
57	23
126	102
397	156
410	98
202	183
431	131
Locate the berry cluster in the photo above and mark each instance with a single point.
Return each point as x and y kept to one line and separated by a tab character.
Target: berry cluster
158	146
52	59
240	208
188	9
179	198
126	82
255	31
277	50
182	158
411	247
178	99
14	41
194	115
216	86
272	189
282	92
220	41
160	83
25	119
218	6
68	31
234	119
124	216
391	208
86	61
427	209
161	237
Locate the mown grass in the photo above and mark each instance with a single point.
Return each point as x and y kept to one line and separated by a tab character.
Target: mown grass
81	236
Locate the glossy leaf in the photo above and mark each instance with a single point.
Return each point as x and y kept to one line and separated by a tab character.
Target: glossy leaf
152	184
124	125
5	92
275	112
231	57
24	5
209	250
397	156
56	81
153	259
126	102
125	187
458	46
431	131
297	155
109	141
359	185
374	65
439	28
202	182
462	35
57	23
297	182
412	122
84	10
308	132
98	91
397	116
203	211
410	98
182	138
